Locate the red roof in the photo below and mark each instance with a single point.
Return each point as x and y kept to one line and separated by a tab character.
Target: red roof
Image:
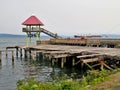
32	20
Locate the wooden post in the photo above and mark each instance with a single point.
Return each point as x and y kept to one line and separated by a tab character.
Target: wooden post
6	53
53	61
62	62
12	56
37	56
21	52
30	54
25	53
43	56
33	55
73	61
0	56
82	64
17	52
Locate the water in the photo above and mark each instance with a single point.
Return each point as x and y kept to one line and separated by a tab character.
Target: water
10	72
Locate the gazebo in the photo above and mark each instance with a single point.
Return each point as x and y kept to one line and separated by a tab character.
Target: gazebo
32	29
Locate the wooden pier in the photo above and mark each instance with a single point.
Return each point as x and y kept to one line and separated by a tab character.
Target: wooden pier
70	55
96	42
7	51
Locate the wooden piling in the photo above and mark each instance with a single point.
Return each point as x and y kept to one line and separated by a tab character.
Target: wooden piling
53	61
21	52
30	56
33	55
73	61
82	64
62	62
6	53
25	53
0	56
16	51
12	56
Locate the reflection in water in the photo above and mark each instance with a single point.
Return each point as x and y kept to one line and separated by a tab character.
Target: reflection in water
0	65
11	72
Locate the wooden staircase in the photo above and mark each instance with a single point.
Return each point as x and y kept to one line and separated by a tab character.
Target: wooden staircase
50	33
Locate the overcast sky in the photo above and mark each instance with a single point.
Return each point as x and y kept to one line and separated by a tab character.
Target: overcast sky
65	17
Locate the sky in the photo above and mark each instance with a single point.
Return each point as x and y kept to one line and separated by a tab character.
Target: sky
64	17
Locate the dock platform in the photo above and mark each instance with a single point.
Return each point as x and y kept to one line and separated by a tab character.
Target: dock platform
72	55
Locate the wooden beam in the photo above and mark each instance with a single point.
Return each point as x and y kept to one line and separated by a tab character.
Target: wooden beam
103	63
90	60
60	55
89	66
96	65
92	55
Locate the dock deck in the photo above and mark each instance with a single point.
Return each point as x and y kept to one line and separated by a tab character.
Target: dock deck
77	49
73	55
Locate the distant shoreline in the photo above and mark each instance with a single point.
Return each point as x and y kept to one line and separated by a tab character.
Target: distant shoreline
64	36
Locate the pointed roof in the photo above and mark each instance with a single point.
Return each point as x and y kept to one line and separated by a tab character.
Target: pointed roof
32	20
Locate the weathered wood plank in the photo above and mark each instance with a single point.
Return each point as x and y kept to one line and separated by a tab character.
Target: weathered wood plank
90	60
7	50
104	64
60	56
92	55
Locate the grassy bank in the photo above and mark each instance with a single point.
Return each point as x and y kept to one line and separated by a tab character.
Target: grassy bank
93	81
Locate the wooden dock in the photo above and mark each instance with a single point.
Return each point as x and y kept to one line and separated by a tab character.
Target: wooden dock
71	55
7	51
95	42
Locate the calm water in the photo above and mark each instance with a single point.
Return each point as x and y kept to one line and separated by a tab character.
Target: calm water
10	72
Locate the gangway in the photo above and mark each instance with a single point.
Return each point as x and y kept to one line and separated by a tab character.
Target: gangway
49	33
